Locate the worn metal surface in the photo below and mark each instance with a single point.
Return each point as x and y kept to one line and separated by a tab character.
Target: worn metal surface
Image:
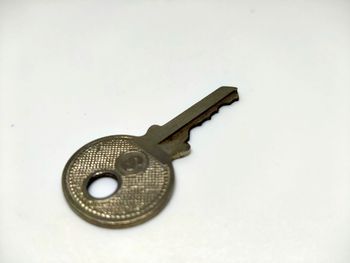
141	165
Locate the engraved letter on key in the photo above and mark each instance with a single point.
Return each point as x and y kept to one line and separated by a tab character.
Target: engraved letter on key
141	165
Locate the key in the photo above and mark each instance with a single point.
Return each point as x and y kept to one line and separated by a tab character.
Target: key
141	165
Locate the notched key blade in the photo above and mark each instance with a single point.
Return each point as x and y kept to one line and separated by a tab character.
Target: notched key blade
174	135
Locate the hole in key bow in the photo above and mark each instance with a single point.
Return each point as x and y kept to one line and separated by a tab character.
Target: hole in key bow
102	185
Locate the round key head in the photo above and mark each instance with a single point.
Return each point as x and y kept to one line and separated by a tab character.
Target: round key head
145	181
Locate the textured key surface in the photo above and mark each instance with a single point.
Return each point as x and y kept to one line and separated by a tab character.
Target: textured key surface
141	194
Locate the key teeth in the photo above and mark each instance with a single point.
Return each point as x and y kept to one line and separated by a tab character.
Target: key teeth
209	117
231	99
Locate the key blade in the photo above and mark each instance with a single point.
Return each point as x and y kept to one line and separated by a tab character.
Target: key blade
174	135
197	114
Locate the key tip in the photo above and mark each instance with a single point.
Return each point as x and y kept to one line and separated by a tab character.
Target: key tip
229	90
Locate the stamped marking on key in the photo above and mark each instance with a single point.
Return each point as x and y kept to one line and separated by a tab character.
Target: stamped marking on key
141	165
132	162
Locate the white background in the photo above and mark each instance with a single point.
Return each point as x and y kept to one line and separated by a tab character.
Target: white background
268	179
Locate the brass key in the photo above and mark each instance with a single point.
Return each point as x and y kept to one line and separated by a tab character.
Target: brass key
141	165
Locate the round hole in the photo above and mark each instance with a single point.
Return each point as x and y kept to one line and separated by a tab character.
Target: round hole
102	186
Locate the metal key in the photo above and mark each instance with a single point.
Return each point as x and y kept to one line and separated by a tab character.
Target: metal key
141	165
